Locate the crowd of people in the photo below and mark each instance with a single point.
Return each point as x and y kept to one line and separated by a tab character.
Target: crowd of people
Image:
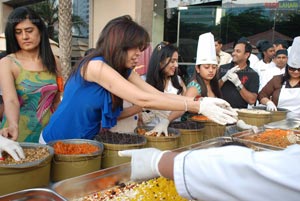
32	94
30	82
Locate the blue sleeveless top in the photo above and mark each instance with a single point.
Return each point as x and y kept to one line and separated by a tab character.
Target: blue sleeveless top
86	106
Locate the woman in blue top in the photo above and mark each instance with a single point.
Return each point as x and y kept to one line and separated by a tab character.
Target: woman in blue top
94	92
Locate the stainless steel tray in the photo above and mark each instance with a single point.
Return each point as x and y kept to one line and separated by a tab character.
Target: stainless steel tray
37	194
284	124
81	186
248	133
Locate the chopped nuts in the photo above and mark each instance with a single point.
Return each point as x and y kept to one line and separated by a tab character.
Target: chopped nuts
31	155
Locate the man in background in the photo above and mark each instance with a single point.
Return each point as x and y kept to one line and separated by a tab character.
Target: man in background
277	67
253	59
280	44
222	57
268	52
239	83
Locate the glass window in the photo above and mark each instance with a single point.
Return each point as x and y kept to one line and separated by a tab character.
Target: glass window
231	20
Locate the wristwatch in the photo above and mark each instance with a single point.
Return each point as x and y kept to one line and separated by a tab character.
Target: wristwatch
239	87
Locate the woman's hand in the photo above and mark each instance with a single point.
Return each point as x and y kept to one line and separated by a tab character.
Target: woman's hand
12	148
144	162
11	132
218	110
161	127
271	106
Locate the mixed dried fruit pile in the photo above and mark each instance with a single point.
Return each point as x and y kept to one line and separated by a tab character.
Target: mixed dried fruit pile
142	131
31	155
154	189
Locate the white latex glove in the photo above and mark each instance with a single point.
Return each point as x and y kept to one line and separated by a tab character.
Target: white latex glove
232	70
218	110
147	117
241	124
144	162
271	106
161	127
12	148
234	78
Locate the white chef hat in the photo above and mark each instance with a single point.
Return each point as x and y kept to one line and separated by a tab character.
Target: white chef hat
294	54
206	52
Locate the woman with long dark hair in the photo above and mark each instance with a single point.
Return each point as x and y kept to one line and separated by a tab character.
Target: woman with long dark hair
27	77
204	82
162	74
94	92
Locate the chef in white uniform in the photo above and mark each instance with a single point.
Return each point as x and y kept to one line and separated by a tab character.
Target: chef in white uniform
283	91
289	98
230	173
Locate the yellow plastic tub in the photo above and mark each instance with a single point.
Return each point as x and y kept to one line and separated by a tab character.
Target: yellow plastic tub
278	115
65	166
161	142
26	175
254	117
115	142
191	132
211	129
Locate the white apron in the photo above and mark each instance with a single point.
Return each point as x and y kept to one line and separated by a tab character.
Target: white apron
289	98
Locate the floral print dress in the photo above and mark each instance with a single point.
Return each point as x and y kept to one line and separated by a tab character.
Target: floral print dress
36	91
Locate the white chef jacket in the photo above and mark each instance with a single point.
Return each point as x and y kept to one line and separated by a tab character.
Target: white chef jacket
253	59
262	69
269	72
224	58
274	70
238	173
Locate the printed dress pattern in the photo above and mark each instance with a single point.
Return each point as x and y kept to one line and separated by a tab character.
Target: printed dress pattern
36	92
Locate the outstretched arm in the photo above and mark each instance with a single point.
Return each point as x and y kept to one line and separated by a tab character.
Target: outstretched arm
10	98
216	109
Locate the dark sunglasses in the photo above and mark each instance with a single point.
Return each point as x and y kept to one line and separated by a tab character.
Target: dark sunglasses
162	45
294	69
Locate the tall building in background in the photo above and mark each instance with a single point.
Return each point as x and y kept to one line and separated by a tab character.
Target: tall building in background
81	9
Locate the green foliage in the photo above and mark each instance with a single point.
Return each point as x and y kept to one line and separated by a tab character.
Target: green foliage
247	23
290	26
48	10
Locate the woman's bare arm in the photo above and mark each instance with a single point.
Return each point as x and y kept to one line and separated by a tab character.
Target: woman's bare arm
10	97
111	80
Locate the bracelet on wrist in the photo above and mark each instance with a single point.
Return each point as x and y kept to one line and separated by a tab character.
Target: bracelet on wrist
185	105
